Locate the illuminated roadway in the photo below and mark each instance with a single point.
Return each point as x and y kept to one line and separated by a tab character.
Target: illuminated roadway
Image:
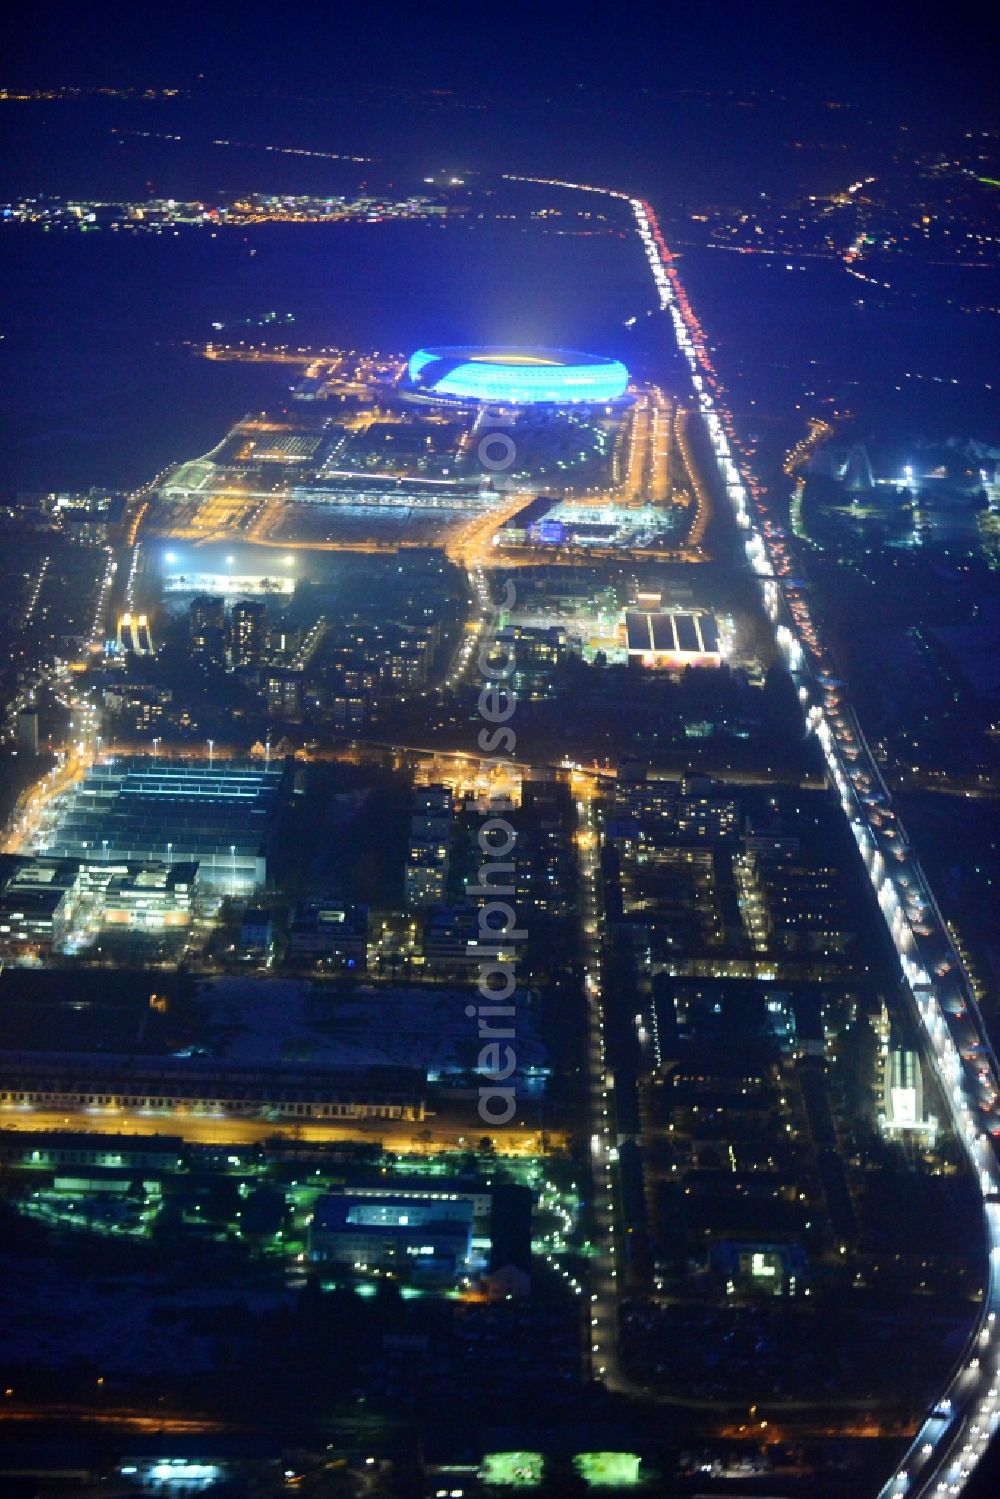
959	1426
647	478
471	548
451	1131
602	1273
961	1422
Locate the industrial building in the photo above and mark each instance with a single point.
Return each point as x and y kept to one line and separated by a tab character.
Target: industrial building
141	810
46	1149
431	1228
206	1085
672	638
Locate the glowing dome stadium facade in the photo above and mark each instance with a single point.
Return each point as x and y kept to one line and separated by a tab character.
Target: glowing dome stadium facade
516	376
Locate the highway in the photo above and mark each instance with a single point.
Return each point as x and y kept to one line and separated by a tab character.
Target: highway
960	1424
962	1420
470	548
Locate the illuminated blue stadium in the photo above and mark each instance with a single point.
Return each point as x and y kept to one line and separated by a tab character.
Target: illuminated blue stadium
517	377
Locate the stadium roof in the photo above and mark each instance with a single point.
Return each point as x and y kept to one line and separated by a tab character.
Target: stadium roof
517	376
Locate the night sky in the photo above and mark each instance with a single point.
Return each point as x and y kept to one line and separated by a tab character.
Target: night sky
920	62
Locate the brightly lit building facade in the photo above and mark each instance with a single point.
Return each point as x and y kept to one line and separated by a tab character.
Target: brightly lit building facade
899	1090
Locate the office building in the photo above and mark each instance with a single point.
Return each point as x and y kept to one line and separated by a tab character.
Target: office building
330	933
248	632
427	860
37	900
207	621
27	731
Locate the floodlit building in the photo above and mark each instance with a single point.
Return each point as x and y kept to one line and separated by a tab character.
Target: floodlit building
752	1268
37	900
134	636
899	1088
229	585
672	638
55	904
139	810
476	1226
150	897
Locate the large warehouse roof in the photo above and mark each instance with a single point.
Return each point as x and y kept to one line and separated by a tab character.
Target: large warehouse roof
682	634
141	808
